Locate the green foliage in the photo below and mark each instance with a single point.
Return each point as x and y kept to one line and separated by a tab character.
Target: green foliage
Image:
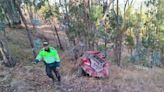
139	55
101	48
46	12
112	18
129	41
39	3
2	19
2	15
96	12
155	25
148	41
89	23
156	58
77	11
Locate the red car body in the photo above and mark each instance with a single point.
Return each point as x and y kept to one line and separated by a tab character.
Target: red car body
94	63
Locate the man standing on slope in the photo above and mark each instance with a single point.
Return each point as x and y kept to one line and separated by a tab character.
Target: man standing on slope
51	60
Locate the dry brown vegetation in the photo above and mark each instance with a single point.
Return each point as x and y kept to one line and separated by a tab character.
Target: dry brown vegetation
26	77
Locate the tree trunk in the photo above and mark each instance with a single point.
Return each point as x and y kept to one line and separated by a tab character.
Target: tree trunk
131	51
105	42
162	56
11	10
93	45
61	47
7	58
29	34
118	42
30	13
117	49
8	20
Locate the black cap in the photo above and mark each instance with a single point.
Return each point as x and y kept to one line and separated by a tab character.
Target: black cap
45	43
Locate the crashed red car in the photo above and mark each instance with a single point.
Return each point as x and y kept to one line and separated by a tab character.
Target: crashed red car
94	64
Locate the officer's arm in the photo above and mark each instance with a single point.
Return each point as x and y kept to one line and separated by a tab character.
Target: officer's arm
39	57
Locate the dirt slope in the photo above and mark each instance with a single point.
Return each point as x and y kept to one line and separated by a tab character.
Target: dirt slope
32	78
26	77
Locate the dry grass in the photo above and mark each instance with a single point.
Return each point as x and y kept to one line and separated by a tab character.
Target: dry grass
27	77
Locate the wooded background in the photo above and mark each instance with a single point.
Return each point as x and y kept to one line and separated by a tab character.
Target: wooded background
124	34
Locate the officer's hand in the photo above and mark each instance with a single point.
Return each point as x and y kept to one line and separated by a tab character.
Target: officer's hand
33	62
62	57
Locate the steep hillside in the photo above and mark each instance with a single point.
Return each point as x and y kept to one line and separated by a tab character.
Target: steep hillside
27	77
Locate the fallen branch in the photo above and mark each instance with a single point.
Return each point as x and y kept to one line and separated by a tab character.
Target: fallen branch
7	58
